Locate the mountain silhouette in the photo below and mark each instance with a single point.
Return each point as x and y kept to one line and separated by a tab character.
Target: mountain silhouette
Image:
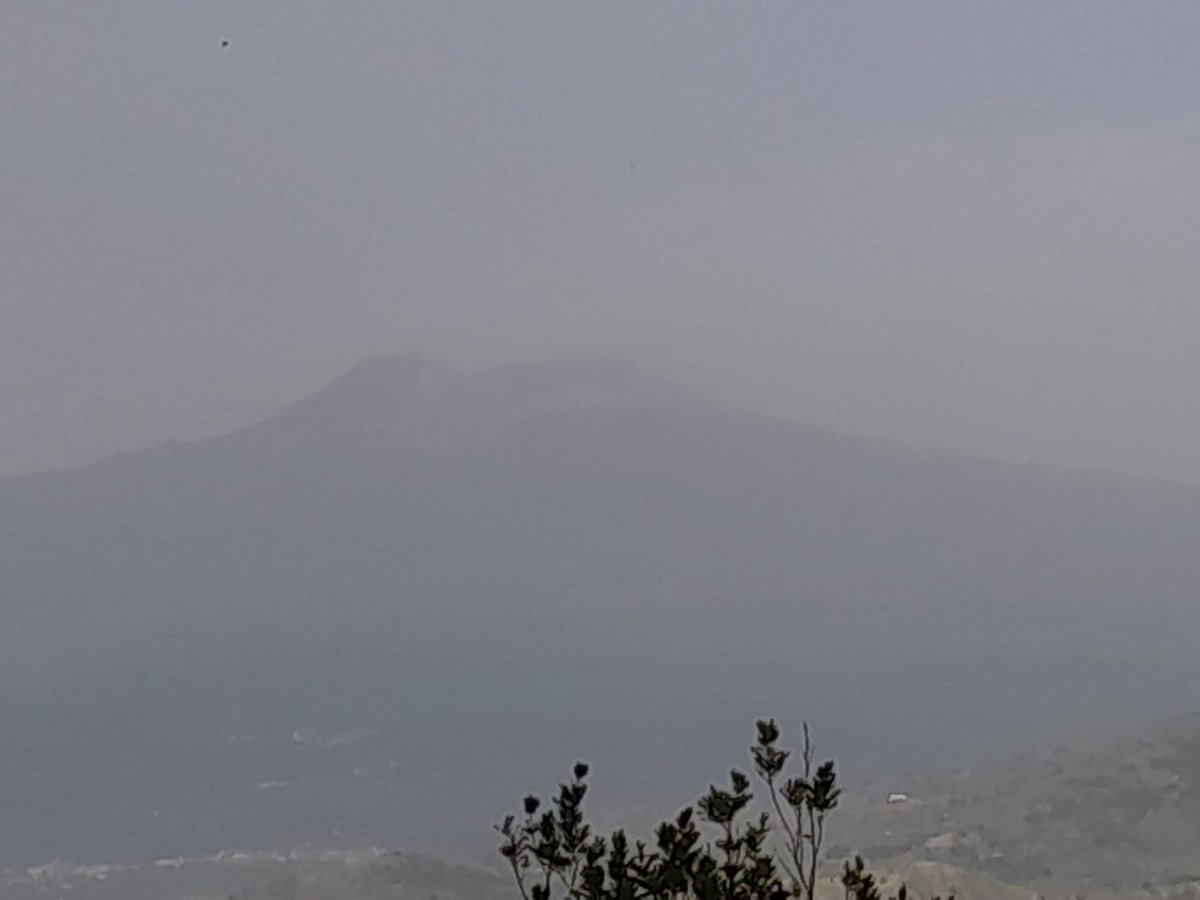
380	613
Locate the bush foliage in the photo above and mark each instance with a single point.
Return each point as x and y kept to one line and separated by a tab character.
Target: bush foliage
718	849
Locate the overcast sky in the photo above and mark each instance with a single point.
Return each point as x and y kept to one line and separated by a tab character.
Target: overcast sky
968	225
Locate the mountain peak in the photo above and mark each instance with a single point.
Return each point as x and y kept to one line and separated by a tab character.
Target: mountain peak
396	371
409	400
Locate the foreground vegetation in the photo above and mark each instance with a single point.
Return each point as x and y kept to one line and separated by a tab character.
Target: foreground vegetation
717	849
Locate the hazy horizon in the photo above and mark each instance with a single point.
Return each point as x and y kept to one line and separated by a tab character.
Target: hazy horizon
963	227
728	361
620	364
369	618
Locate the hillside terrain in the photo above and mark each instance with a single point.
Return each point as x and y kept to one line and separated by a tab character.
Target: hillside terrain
377	617
1122	815
305	875
1103	819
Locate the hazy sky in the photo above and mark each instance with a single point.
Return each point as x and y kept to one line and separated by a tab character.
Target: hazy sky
971	225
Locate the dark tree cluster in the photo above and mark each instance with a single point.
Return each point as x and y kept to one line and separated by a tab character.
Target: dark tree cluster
718	849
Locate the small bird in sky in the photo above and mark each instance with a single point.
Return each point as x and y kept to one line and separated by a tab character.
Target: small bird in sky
224	43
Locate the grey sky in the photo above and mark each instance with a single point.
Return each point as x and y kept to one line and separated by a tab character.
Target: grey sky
966	225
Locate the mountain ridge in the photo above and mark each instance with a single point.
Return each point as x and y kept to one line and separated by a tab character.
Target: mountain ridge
388	377
558	581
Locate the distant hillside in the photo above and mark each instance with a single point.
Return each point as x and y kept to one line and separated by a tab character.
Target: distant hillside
1103	820
311	875
1124	816
382	614
373	875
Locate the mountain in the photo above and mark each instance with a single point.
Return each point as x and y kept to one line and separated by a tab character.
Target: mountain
386	612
